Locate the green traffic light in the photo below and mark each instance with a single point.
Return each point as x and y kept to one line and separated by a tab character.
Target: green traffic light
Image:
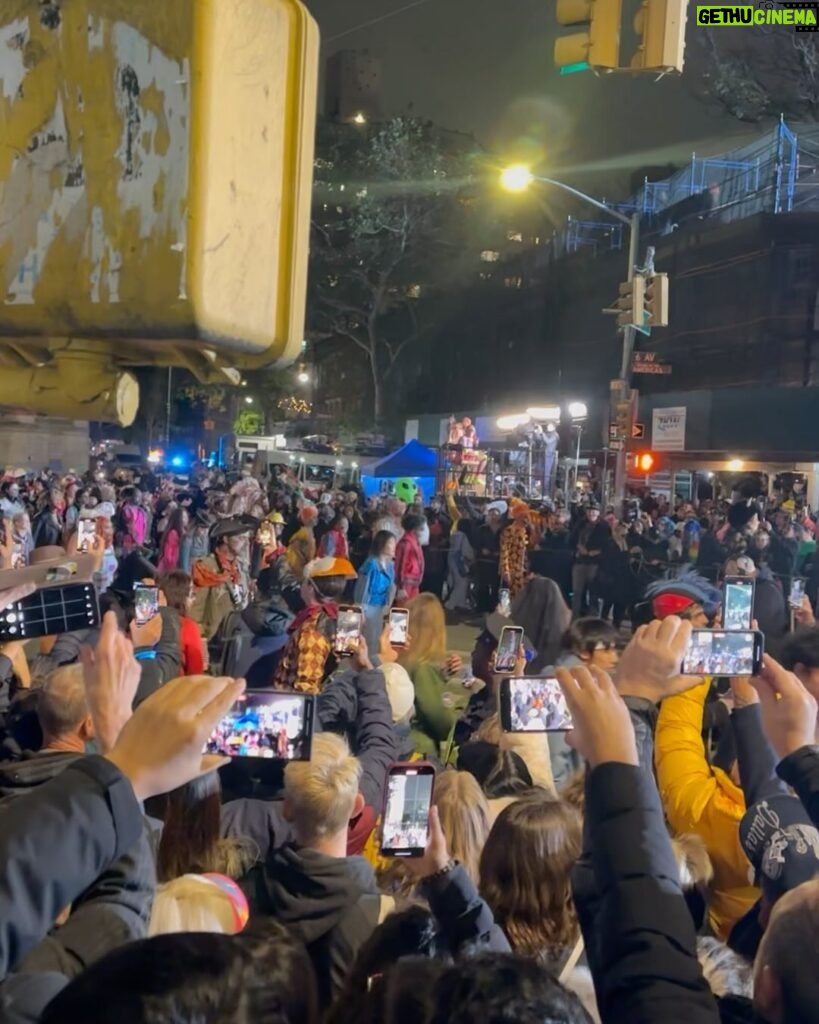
572	69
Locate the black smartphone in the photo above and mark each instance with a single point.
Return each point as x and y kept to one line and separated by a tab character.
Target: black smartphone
146	602
399	627
86	532
348	631
797	593
405	820
64	608
738	602
269	724
533	704
713	652
509	646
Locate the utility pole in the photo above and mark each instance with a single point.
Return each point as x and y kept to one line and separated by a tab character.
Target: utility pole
629	334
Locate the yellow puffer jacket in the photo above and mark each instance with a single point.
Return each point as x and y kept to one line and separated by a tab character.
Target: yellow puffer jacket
700	799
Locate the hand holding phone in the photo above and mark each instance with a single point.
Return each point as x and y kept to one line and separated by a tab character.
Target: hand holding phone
146	602
714	652
399	627
348	632
738	603
533	704
405	818
797	594
509	648
86	532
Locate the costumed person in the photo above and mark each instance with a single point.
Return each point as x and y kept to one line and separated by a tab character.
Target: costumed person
461	560
409	557
302	547
304	662
375	590
470	437
334	541
487	543
456	431
221	581
688	595
391	519
514	546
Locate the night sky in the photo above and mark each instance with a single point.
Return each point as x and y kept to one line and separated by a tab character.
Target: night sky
485	66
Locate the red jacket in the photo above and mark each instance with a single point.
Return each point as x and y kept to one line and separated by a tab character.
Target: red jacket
409	565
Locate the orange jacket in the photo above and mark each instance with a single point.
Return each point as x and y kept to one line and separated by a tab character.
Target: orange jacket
700	799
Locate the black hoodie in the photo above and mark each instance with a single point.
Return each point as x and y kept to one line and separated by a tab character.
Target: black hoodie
331	903
19	777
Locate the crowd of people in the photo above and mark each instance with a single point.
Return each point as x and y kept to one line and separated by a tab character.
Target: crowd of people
659	861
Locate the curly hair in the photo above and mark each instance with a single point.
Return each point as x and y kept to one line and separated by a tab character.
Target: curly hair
526	874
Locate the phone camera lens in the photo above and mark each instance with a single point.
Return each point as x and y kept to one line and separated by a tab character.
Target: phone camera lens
11	617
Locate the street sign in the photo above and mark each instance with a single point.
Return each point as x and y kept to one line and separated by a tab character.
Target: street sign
638	431
617	445
647	362
614	432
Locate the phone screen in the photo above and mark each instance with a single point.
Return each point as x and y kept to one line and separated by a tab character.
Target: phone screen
50	611
508	652
738	605
18	557
146	602
406	810
265	535
715	653
530	704
504	601
797	594
348	631
266	724
86	531
399	627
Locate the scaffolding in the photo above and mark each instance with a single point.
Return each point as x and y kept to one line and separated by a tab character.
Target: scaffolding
778	173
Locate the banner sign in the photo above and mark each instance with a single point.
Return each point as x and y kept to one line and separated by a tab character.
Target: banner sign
668	429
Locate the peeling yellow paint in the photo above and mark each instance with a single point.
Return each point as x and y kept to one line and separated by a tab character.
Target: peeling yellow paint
117	219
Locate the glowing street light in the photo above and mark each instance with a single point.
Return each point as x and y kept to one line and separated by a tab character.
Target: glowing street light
735	465
578	410
359	118
516	178
303	377
248	400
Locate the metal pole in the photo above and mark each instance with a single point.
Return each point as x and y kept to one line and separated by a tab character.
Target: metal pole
577	457
168	411
625	366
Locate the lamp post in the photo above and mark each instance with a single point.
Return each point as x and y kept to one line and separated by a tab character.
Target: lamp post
578	412
518	178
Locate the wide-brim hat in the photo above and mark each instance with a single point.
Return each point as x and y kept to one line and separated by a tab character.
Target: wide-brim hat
233	526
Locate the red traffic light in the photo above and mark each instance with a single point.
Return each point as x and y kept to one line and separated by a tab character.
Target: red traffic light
644	462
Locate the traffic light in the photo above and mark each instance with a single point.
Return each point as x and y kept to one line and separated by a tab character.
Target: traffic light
632	302
598	46
660	24
656	300
644	462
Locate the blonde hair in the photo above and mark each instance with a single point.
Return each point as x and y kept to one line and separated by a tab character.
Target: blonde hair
428	629
465	817
693	861
321	792
526	874
191	904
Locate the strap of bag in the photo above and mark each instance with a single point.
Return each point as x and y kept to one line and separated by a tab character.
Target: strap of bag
571	963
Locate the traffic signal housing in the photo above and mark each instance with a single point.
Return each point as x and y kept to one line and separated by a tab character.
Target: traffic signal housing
598	45
631	303
644	462
656	300
660	26
622	418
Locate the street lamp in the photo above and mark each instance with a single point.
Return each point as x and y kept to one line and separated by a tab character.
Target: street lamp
578	412
303	377
518	178
360	118
248	400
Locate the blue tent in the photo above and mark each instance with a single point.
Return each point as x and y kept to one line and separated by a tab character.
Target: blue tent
414	462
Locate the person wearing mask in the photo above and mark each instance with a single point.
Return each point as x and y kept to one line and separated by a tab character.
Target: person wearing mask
409	558
305	660
221	582
375	589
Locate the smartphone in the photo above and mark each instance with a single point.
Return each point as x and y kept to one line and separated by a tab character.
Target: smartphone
533	704
509	645
405	828
797	594
18	557
265	535
65	608
146	602
399	627
504	602
714	652
348	631
86	532
266	724
738	602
